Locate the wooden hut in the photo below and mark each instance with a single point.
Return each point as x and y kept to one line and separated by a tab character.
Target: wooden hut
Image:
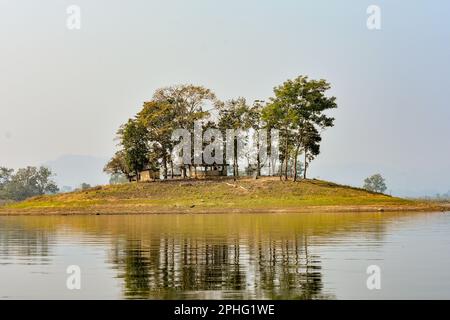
149	175
206	171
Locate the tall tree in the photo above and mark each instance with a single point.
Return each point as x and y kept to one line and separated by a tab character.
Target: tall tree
298	104
280	114
159	119
310	140
190	103
134	140
234	114
256	122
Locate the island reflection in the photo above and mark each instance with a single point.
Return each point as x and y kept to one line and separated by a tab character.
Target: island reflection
258	256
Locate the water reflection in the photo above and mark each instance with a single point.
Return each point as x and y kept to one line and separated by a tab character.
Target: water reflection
183	267
200	256
29	245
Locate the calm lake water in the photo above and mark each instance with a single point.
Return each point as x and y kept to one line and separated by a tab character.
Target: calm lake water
257	256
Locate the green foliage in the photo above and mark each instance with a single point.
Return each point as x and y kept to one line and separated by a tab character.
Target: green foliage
375	183
146	140
310	139
25	183
5	175
85	186
5	178
234	114
297	110
159	118
134	140
118	165
189	102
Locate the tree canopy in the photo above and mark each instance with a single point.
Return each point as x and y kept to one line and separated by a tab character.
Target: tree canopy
297	110
26	182
375	183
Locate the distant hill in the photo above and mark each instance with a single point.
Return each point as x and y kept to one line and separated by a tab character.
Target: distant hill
215	196
73	170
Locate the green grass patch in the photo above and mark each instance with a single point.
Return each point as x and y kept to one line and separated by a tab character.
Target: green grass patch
226	193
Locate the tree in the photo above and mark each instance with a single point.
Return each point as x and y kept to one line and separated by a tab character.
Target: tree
118	165
159	118
5	178
85	186
280	115
134	140
299	105
234	114
5	175
310	140
190	103
28	182
375	183
256	122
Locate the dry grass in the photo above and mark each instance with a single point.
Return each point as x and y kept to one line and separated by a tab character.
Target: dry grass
245	195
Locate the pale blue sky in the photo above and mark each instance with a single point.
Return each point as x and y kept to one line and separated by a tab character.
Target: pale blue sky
66	92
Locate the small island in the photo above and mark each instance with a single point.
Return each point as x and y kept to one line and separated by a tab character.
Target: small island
188	152
225	195
225	159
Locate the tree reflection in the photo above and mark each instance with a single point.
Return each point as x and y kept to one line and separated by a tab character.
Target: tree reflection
18	241
196	268
254	256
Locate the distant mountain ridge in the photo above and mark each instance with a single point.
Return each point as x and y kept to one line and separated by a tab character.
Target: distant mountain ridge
73	170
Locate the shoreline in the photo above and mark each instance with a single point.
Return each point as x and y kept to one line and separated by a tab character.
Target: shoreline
245	196
201	211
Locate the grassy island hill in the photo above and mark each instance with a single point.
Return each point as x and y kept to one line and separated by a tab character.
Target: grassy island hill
215	196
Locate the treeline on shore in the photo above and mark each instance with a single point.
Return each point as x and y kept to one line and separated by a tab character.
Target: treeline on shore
296	110
25	183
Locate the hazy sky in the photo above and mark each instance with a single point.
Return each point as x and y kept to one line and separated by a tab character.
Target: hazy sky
67	91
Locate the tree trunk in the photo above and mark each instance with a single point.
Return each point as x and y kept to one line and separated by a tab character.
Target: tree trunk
306	165
286	163
165	168
295	163
270	166
258	160
286	157
235	160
